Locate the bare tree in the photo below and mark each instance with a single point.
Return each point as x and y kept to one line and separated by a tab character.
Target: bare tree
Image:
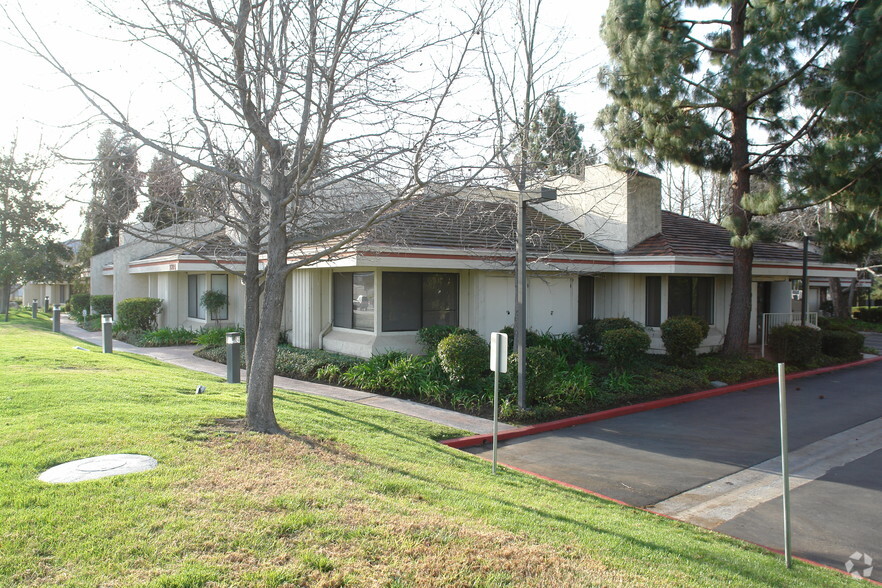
300	114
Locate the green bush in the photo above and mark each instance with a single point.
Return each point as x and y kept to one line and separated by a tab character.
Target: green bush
871	314
795	344
429	337
305	364
622	346
842	344
102	304
542	365
212	336
565	345
464	357
682	335
79	303
166	337
138	313
590	334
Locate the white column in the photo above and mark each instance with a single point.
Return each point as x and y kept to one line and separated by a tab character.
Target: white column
305	293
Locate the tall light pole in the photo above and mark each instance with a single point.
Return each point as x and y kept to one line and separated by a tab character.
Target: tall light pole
544	195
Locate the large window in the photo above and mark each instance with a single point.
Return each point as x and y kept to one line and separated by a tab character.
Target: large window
586	299
691	296
414	300
196	287
354	300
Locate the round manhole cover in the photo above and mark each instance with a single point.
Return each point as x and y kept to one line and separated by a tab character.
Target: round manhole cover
101	466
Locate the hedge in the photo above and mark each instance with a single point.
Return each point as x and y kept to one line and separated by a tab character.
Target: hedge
842	344
138	313
868	314
795	344
591	333
102	304
79	303
464	357
623	346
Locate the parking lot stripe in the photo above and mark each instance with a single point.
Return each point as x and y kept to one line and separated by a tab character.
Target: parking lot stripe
719	501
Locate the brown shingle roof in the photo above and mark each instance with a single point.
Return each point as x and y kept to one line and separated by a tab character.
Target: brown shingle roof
454	223
217	246
684	236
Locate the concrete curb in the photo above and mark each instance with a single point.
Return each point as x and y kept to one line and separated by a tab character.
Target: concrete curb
475	440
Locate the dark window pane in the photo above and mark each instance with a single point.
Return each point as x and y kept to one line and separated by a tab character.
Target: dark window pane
192	297
343	300
363	301
653	301
219	284
586	299
680	296
440	299
704	299
401	301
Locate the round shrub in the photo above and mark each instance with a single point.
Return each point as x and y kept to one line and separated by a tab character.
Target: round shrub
138	313
682	335
622	346
591	333
429	337
843	344
795	344
464	357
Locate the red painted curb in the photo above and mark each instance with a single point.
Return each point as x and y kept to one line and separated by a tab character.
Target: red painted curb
622	503
475	440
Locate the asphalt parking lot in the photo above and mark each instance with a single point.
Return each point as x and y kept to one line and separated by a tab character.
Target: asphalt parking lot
716	463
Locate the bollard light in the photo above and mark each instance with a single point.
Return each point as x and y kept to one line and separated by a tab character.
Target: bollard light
46	303
107	333
56	318
233	357
34	308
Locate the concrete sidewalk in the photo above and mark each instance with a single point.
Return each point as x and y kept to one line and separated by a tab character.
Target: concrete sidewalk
182	356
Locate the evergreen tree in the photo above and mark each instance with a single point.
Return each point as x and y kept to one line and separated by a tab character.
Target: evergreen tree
841	166
165	193
555	145
715	85
115	183
28	251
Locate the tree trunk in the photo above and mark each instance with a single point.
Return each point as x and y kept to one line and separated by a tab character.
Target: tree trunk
259	413
738	328
252	305
5	291
840	302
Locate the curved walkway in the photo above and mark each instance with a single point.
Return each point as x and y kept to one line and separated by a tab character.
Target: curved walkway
182	356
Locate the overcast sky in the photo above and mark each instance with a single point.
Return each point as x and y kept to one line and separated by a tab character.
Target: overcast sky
38	107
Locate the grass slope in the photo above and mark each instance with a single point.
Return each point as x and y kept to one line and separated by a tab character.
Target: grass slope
354	496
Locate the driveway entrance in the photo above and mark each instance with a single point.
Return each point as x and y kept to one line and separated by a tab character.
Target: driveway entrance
712	462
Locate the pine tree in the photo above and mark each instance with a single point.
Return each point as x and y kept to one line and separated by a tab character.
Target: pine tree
554	143
714	85
115	183
165	194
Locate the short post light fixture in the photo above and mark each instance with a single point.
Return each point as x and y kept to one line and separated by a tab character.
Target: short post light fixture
233	357
107	332
56	318
34	308
46	303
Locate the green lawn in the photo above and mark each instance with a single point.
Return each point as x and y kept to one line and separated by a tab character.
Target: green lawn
354	496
